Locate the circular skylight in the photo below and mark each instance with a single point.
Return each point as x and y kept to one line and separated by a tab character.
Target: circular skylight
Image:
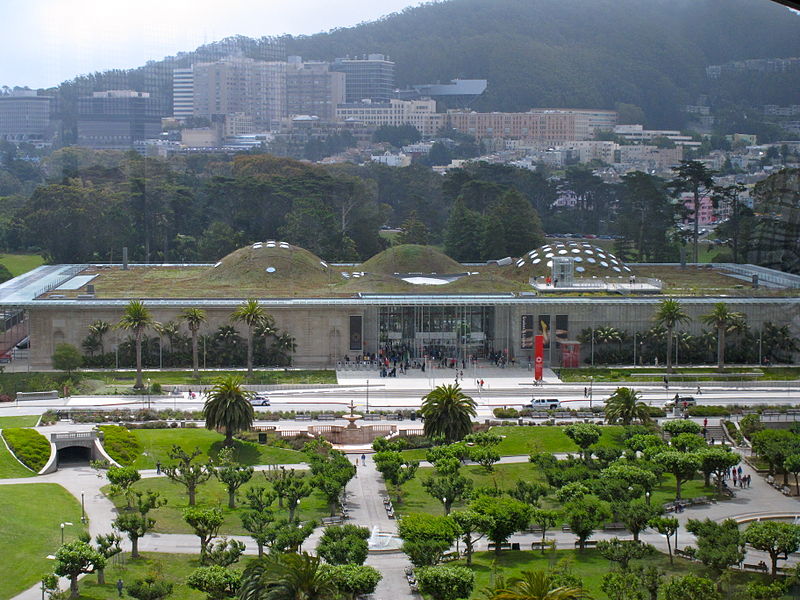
536	261
270	269
580	269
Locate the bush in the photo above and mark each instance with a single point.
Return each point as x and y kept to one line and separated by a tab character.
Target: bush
751	424
708	411
656	411
155	388
6	398
735	434
121	444
29	446
506	413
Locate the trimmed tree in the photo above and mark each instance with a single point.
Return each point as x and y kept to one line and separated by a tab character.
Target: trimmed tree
584	435
446	583
232	474
215	581
584	515
206	523
719	545
504	517
668	527
427	537
353	581
690	587
74	559
777	539
344	544
681	465
187	473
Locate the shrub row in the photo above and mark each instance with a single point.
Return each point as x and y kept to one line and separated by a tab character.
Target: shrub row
709	411
145	415
29	446
121	444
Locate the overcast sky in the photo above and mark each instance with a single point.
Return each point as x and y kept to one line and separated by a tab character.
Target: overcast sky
44	42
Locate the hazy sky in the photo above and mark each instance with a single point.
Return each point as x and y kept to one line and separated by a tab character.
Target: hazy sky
44	42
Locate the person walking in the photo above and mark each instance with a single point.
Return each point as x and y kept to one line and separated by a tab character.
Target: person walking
363	460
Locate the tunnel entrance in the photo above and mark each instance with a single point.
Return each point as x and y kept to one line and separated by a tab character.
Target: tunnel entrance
74	455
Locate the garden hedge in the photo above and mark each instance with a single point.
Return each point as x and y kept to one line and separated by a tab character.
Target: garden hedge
29	446
121	444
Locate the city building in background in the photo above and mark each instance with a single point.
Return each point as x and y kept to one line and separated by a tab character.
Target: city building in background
116	119
25	117
312	88
368	78
183	93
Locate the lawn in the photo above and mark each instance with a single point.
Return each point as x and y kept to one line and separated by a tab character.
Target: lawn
525	440
19	421
169	518
30	532
21	263
639	374
587	564
172	567
505	476
157	443
10	467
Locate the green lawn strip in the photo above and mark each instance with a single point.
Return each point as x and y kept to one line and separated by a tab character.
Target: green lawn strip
524	440
21	263
10	467
121	444
30	525
174	568
29	446
157	443
589	565
168	378
169	518
780	373
19	421
644	374
505	476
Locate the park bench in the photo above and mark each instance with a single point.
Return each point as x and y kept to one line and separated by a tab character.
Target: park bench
548	543
614	527
565	528
448	556
372	417
49	395
587	544
535	529
503	546
331	521
762	567
326	417
302	417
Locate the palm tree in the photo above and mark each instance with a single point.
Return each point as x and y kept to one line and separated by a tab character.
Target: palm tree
266	329
137	318
228	407
250	313
98	329
194	318
287	577
286	343
447	411
625	406
538	585
726	321
668	315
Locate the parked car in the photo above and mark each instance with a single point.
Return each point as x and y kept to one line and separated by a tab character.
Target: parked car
545	403
260	399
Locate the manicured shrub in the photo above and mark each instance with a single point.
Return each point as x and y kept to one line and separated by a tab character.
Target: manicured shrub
121	444
506	413
29	446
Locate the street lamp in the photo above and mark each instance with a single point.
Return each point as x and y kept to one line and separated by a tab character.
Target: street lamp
148	393
591	386
647	497
83	509
62	530
444	503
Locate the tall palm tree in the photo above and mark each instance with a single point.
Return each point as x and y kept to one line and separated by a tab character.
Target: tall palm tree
194	318
285	343
625	406
228	407
669	315
137	319
98	329
726	321
448	411
250	312
538	585
287	577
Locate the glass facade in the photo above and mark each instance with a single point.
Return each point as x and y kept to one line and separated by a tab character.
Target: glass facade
439	331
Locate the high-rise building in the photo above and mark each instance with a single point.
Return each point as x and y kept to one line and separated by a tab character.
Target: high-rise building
368	78
313	89
25	117
115	119
182	93
241	85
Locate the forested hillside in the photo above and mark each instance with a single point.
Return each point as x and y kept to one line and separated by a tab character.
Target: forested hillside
575	53
557	53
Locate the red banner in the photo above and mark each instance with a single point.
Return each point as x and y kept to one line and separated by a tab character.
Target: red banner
538	354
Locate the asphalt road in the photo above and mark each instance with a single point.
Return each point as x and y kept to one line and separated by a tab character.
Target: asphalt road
570	395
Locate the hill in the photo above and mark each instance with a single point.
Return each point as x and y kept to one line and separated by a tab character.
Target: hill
537	53
410	258
572	53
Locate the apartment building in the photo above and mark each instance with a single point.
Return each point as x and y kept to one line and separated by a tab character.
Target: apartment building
419	113
370	77
312	88
25	117
116	119
183	93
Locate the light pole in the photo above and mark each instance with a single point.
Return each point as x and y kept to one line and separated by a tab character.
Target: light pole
367	410
634	348
444	503
647	497
591	390
62	530
592	346
148	393
83	508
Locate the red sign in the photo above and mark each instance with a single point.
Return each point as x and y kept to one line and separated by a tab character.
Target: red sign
538	360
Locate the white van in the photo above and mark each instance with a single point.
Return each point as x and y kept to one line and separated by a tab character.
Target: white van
545	403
